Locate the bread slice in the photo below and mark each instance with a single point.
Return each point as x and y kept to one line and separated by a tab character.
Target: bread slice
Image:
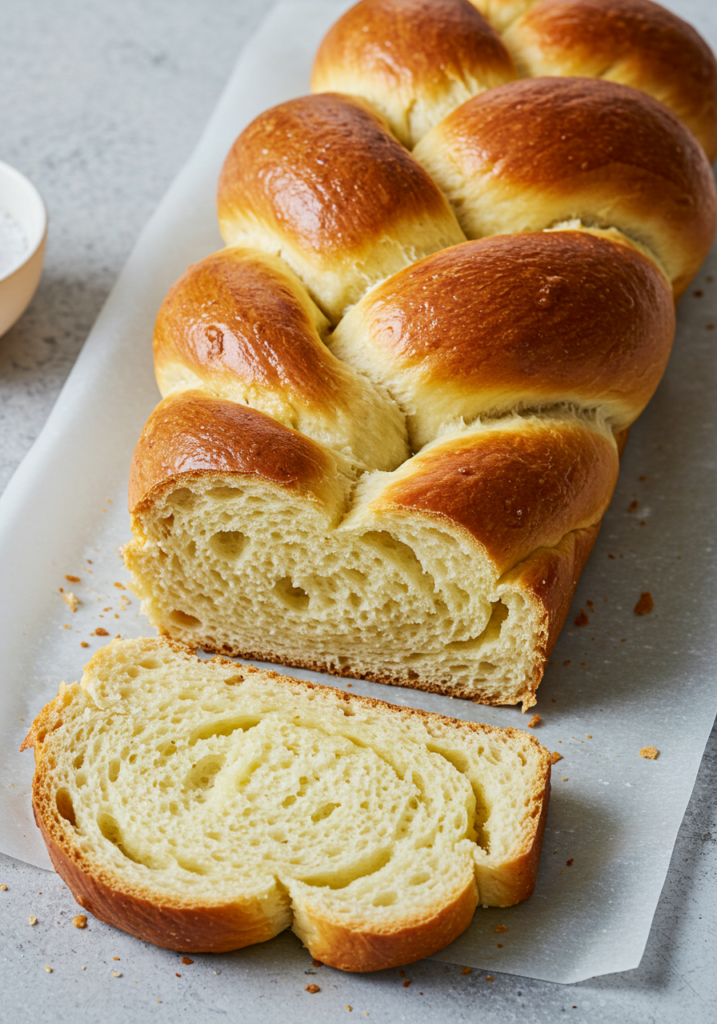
205	806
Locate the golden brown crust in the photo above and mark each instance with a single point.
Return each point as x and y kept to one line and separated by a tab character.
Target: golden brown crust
325	174
526	320
239	315
191	433
635	42
186	929
413	50
514	489
538	152
357	951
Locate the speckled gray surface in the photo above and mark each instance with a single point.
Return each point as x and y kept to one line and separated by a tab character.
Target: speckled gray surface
102	103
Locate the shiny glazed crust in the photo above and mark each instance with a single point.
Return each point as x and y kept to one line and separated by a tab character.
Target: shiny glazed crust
635	42
541	152
412	59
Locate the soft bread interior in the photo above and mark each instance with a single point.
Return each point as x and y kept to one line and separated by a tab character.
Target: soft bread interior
198	784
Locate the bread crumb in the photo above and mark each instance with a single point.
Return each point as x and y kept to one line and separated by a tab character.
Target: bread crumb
588	735
407	982
312	988
582	619
116	974
650	753
466	970
33	920
83	643
569	863
72	579
115	958
489	977
3	887
100	632
565	778
70	600
317	963
645	604
402	974
535	720
501	928
49	970
80	921
499	945
349	1008
120	586
555	757
185	959
83	968
566	663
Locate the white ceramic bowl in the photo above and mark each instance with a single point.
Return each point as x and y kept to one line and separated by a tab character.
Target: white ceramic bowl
23	203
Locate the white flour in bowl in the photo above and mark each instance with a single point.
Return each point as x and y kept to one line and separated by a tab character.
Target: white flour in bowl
13	243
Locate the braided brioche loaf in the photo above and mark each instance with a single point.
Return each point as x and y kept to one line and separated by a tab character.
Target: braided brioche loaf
394	404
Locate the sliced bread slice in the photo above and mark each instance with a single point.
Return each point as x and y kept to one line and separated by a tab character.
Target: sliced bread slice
206	805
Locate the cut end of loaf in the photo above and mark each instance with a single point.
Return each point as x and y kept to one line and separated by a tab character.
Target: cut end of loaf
204	806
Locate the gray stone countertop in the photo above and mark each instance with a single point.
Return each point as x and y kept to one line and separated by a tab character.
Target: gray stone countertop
101	104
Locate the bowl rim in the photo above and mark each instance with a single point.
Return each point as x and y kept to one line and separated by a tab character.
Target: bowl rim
42	234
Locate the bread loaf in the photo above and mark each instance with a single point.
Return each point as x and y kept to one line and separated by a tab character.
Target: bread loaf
205	806
394	404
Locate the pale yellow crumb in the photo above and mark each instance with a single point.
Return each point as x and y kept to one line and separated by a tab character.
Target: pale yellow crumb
650	753
116	974
535	720
4	888
33	920
565	778
70	600
49	970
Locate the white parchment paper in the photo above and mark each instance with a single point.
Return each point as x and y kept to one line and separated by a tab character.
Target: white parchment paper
617	684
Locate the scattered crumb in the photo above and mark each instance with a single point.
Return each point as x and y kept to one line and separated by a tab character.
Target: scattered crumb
565	778
72	579
466	970
633	505
83	968
555	757
566	662
402	974
49	970
80	921
100	632
312	988
611	556
499	945
590	605
535	720
115	958
645	604
70	600
349	1008
588	736
501	928
116	974
120	586
569	863
33	920
710	327
3	887
83	643
67	627
407	982
649	752
582	619
489	977
185	959
177	975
